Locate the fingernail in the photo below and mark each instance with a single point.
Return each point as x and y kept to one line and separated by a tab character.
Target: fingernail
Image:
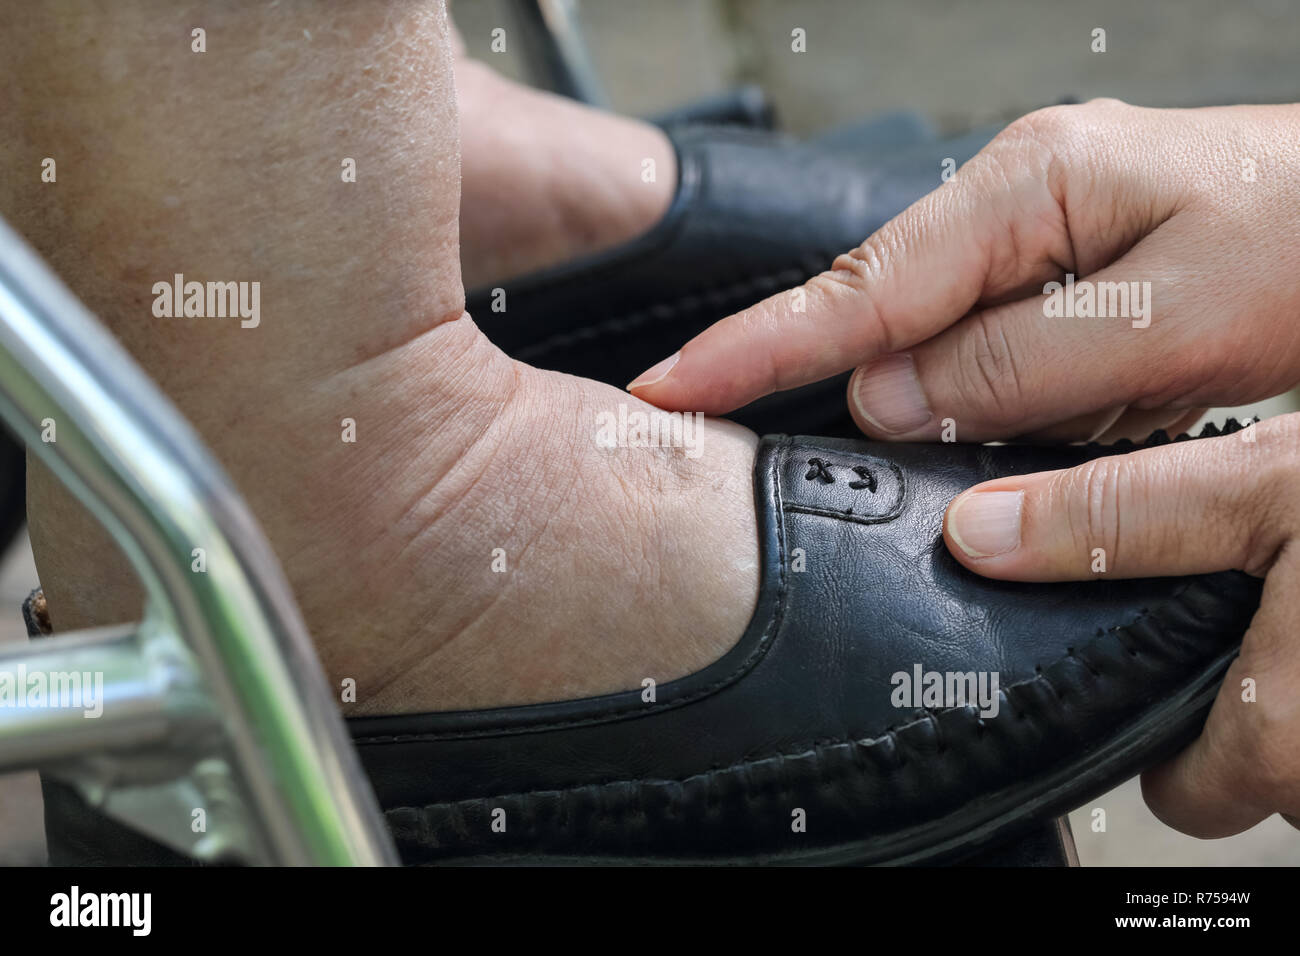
655	373
987	522
889	396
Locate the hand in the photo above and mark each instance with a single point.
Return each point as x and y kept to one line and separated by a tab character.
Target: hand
943	311
1185	508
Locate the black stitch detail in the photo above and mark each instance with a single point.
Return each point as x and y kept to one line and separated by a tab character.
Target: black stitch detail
900	761
1115	629
848	515
819	471
456	809
1160	437
868	479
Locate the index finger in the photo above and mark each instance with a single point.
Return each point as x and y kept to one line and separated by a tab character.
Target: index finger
983	235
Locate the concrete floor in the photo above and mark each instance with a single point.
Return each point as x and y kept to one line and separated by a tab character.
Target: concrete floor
958	63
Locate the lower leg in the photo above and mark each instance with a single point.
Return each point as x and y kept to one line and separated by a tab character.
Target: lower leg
621	564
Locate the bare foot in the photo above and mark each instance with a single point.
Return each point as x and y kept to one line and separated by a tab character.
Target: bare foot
542	565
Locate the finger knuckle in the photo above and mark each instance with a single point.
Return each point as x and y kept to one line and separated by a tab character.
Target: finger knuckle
1056	125
1268	747
1040	149
1263	499
847	286
866	263
1106	104
1177	374
988	374
1278	442
1052	127
1097	490
1275	454
1062	137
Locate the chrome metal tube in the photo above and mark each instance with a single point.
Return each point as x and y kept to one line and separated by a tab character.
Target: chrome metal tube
112	700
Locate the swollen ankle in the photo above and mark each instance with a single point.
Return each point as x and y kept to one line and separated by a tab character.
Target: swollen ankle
567	569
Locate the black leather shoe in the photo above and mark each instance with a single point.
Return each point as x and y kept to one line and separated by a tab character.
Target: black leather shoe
800	745
754	213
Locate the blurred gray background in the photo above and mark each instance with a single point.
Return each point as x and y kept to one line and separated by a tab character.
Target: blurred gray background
959	64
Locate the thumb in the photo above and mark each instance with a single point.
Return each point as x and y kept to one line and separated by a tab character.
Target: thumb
1182	508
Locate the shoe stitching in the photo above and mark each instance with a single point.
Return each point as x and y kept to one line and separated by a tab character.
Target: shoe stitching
790	275
822	469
